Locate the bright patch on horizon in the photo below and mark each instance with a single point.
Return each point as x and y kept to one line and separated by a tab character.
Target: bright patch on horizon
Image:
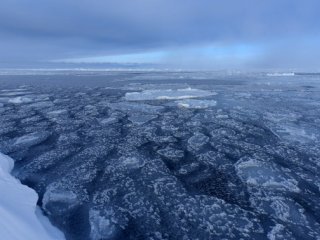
147	57
209	53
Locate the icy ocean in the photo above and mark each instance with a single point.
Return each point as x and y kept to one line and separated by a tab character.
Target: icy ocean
167	155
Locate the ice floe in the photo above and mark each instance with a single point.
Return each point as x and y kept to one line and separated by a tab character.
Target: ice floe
196	104
167	94
265	175
18	100
278	74
197	141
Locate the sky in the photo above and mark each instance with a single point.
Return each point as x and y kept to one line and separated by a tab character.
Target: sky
204	34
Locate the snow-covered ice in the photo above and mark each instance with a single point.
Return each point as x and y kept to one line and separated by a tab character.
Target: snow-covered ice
20	218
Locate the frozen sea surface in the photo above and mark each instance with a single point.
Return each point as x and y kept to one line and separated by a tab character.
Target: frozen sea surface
167	155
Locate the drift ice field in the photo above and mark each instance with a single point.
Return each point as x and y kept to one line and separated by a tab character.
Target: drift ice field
163	155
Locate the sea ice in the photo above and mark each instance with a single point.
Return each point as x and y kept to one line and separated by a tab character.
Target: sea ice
258	173
110	120
279	232
30	139
20	218
101	227
284	74
140	119
19	100
197	141
171	153
197	104
135	107
167	94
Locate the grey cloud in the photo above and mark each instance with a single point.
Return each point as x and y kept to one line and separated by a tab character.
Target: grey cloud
46	30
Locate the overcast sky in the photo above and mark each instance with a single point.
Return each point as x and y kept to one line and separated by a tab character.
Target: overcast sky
203	33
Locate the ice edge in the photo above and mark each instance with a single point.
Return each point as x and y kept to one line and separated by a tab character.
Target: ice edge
21	218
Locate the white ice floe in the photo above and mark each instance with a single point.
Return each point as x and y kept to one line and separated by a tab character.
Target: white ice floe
30	139
19	100
277	74
196	104
167	94
54	194
296	133
14	90
262	174
20	216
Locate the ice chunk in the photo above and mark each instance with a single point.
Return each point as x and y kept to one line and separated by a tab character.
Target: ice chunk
188	168
140	119
107	121
26	139
296	133
59	199
19	100
171	153
56	195
101	226
198	104
167	94
284	74
30	139
279	232
263	174
131	162
15	93
197	141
